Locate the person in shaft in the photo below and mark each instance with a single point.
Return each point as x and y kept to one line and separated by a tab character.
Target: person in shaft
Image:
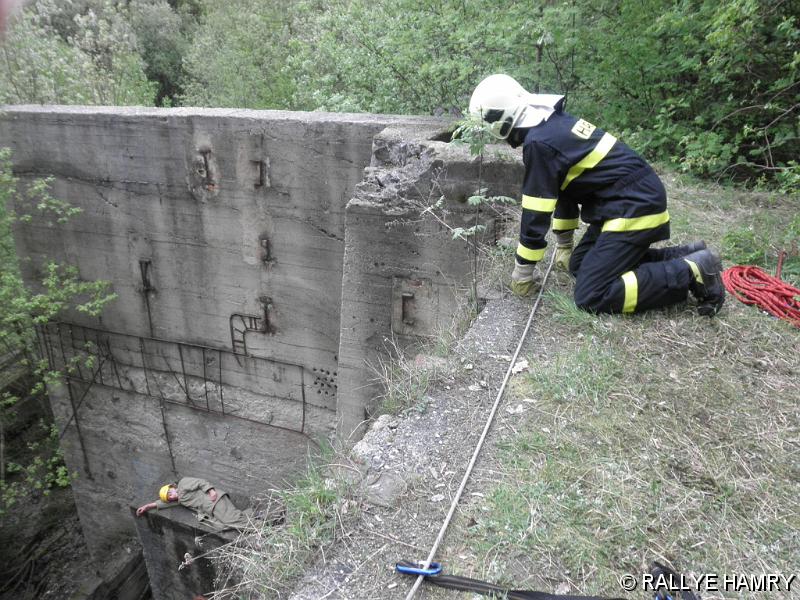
212	506
573	170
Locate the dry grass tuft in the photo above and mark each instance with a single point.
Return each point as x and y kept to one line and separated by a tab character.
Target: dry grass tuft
404	372
266	563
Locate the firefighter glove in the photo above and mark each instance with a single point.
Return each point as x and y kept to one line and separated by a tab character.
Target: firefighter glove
524	278
563	249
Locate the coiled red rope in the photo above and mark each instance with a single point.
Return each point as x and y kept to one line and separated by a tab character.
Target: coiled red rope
753	286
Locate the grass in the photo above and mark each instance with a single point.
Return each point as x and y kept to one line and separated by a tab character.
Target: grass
494	262
664	436
752	245
403	379
749	227
656	445
268	562
404	373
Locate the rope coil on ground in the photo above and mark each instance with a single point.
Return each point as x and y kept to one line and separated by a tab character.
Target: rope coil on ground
489	421
752	286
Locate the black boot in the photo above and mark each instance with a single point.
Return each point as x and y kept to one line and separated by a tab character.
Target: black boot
681	251
687	249
672	252
706	285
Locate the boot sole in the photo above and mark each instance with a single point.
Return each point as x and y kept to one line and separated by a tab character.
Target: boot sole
709	306
709	309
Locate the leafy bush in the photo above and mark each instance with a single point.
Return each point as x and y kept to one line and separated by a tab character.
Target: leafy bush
713	86
23	310
163	34
239	55
52	55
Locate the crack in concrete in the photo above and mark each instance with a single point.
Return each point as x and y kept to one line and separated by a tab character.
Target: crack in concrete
106	200
325	232
315	227
94	181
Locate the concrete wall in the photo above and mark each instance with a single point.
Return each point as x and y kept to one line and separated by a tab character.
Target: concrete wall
167	537
229	208
261	259
405	278
222	232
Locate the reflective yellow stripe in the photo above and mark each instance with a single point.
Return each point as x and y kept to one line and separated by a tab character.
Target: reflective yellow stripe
529	254
590	160
540	204
698	277
631	292
636	223
564	224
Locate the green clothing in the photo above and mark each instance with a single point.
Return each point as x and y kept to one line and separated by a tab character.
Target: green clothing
220	514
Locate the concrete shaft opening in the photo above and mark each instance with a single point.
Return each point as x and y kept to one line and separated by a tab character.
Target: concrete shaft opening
260	258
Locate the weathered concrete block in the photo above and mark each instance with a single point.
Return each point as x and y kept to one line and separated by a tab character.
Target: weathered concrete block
175	547
180	206
395	257
124	446
222	233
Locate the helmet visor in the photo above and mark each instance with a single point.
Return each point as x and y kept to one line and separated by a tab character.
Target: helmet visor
501	122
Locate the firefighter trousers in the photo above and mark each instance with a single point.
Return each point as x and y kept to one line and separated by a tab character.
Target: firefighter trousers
616	272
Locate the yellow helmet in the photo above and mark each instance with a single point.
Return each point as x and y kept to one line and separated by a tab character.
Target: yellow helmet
162	493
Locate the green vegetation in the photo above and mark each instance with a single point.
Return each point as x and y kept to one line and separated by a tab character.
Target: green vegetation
240	55
666	436
265	563
65	53
761	243
40	466
645	441
403	383
473	132
710	86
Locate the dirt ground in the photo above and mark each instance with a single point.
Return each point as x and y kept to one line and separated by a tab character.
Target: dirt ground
428	451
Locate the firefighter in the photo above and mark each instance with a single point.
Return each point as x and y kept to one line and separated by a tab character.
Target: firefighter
573	170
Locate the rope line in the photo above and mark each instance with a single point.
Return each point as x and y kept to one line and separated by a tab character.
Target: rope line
752	286
486	428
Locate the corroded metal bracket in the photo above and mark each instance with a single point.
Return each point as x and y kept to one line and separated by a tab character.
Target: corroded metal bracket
242	324
262	173
414	306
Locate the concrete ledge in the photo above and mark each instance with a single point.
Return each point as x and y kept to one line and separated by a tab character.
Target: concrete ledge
396	257
167	537
242	113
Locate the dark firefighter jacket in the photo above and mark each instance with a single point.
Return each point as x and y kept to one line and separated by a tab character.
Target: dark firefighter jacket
572	169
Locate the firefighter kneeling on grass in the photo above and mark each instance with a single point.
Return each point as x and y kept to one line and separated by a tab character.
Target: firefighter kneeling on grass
574	169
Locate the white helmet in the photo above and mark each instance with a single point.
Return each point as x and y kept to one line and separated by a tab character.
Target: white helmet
503	103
